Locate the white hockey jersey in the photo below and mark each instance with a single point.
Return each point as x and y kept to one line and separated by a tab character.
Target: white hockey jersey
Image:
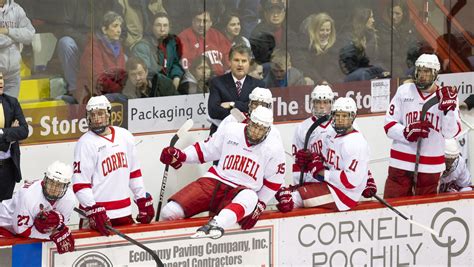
348	159
105	168
17	215
404	109
260	167
315	143
460	176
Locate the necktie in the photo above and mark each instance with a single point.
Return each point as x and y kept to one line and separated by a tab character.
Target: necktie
238	84
2	116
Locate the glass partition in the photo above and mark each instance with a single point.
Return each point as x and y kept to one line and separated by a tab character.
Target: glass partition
169	50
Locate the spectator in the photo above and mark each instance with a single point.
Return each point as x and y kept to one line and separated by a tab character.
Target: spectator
102	57
397	33
356	66
256	70
139	84
318	50
362	32
232	89
231	193
13	128
262	44
196	79
456	177
215	46
41	209
282	74
231	29
161	51
105	169
274	14
15	29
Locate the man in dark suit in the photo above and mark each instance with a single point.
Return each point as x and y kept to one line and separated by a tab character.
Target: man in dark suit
232	89
13	128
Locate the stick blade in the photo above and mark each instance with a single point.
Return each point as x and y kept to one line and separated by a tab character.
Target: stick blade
185	128
237	114
426	228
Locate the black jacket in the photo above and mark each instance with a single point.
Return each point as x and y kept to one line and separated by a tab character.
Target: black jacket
12	111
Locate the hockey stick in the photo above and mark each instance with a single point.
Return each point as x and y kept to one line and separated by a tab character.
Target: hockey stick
308	135
428	104
184	128
237	114
426	228
129	239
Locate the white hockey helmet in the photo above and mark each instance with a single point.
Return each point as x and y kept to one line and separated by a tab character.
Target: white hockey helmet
260	97
319	94
429	61
98	103
343	104
451	148
56	180
259	125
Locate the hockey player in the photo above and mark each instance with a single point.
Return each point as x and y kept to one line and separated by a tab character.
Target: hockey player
258	97
322	98
251	169
42	208
346	156
403	126
105	168
456	177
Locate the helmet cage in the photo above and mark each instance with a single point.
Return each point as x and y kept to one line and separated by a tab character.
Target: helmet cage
53	189
105	120
256	132
321	107
424	85
322	94
341	127
451	165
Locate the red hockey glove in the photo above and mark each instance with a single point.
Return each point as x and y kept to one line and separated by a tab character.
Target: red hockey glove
249	221
146	212
315	166
98	219
303	157
370	188
170	154
63	239
447	96
285	200
47	221
417	129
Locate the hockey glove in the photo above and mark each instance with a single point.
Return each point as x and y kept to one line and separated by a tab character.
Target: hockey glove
285	200
63	239
370	188
146	212
315	166
98	219
303	157
47	221
417	129
249	221
447	96
173	157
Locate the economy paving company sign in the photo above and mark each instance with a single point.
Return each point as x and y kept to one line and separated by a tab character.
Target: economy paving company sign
174	247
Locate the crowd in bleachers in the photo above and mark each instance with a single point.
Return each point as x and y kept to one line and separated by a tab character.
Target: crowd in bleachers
293	42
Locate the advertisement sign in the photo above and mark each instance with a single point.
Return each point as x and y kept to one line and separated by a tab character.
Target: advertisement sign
174	247
48	124
166	113
381	238
462	81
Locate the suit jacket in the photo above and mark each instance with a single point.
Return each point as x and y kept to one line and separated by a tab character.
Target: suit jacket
223	89
12	111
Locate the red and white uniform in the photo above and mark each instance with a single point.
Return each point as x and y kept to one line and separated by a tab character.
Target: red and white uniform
348	159
260	168
17	215
105	168
315	143
404	109
459	177
217	49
